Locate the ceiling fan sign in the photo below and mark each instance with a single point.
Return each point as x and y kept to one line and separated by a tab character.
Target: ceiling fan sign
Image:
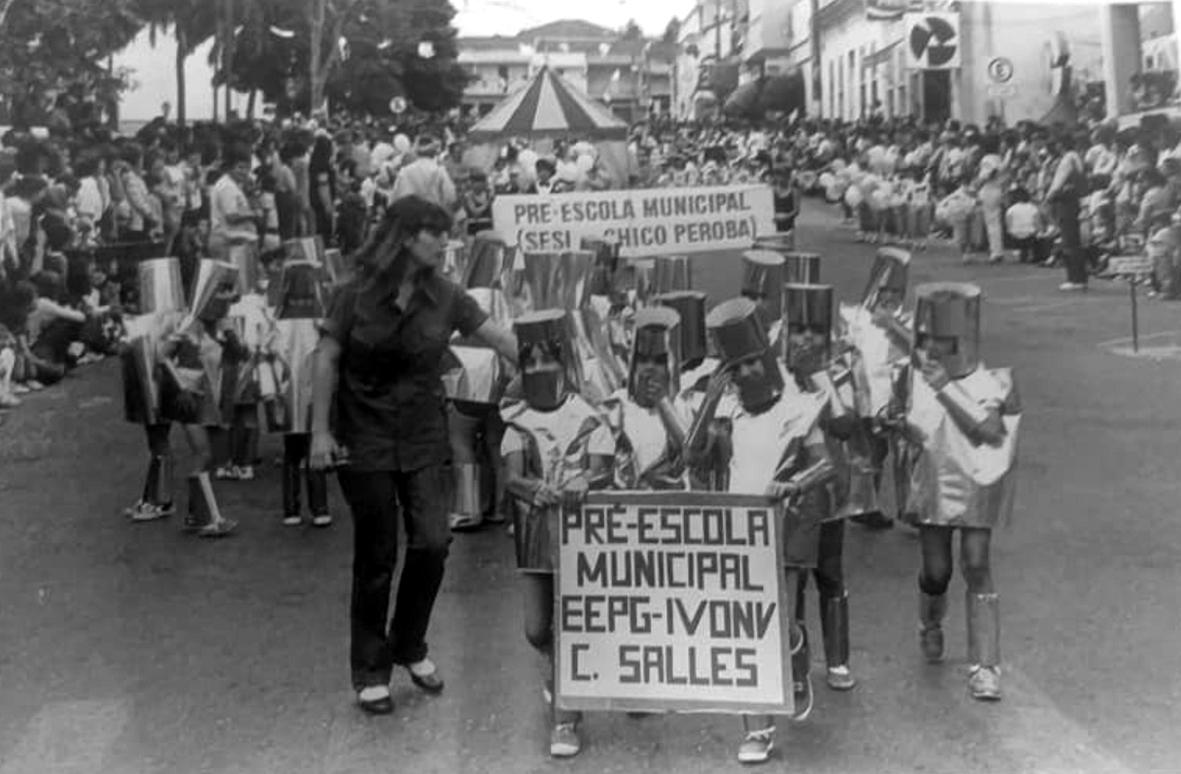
933	41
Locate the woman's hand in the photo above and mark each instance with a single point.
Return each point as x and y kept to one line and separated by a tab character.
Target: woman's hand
326	452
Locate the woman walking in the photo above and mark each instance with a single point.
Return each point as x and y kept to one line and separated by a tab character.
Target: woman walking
378	369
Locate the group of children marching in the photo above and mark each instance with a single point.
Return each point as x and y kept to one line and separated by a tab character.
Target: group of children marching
212	363
626	382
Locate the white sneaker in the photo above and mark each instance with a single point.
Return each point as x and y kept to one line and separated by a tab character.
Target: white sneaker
985	683
1072	286
756	747
245	473
226	473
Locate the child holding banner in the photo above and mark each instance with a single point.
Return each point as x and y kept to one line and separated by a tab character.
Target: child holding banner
964	418
555	447
778	449
649	422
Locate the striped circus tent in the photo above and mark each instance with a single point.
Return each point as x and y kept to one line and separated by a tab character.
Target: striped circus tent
549	106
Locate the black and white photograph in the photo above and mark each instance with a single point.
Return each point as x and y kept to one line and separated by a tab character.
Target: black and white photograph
510	387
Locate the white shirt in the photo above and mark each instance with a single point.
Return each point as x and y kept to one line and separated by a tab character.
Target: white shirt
228	199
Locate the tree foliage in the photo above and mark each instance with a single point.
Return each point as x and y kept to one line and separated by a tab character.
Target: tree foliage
672	31
50	47
379	59
632	31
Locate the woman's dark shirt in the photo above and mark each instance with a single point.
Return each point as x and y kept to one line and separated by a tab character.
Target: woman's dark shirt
390	404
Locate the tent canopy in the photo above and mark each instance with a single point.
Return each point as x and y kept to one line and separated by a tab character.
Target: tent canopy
549	106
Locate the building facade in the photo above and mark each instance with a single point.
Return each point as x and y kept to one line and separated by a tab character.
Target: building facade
632	76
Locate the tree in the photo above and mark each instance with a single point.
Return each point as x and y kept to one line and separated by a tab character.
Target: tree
50	47
294	55
632	31
193	22
672	31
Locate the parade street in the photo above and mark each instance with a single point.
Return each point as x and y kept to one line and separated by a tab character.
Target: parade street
134	648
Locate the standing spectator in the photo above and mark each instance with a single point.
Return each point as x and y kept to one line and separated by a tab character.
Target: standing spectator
233	229
425	178
322	188
477	204
93	197
287	202
140	223
1067	185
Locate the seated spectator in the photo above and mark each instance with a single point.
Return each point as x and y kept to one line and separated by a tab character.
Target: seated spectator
1024	222
51	328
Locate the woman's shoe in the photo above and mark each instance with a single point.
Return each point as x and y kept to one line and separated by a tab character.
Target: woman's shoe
322	520
292	520
375	700
425	675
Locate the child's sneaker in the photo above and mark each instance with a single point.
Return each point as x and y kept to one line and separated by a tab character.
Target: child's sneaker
226	473
564	741
244	473
756	747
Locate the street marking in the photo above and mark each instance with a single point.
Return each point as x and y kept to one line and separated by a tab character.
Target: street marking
1169	352
1043	307
68	737
1143	337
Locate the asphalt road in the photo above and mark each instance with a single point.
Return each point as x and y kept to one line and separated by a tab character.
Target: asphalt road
136	649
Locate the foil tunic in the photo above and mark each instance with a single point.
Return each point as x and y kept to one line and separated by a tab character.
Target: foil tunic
773	446
294	348
956	482
557	445
642	441
876	355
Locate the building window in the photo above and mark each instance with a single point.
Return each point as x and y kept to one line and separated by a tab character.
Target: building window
840	109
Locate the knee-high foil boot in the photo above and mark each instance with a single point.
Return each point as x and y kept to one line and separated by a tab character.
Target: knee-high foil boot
834	620
932	608
318	497
204	515
801	678
291	505
984	646
467	503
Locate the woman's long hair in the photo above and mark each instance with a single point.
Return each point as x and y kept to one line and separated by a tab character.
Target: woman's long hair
384	253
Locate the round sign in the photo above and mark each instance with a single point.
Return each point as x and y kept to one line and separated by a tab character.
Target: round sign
398	105
1000	69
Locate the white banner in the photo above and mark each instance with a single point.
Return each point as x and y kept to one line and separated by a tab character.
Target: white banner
672	601
645	221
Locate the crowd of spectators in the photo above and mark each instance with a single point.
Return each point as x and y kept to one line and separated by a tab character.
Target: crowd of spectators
80	205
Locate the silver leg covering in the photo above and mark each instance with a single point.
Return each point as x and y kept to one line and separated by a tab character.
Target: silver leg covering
834	622
932	609
158	484
467	504
984	630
